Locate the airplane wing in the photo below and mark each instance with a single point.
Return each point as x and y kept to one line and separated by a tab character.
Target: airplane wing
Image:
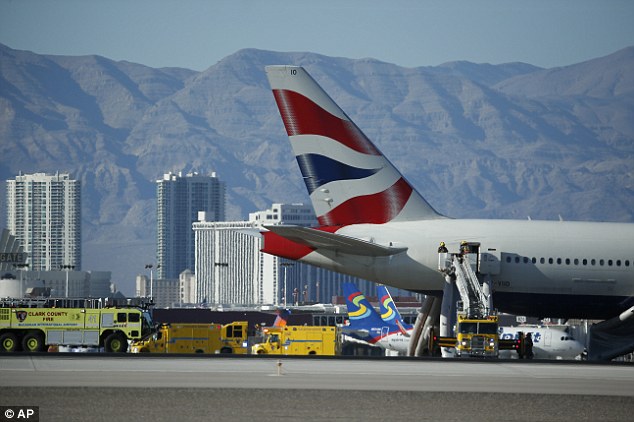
318	239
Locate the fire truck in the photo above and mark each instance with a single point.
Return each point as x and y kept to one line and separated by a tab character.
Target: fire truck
195	338
30	325
299	340
477	336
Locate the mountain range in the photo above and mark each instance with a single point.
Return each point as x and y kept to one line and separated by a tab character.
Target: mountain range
477	140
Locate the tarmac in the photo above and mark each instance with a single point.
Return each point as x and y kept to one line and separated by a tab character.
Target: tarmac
191	388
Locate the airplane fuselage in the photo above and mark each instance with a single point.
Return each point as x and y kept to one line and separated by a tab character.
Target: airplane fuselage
548	342
572	273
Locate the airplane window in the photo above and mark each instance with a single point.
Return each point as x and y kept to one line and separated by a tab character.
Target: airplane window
576	261
567	261
517	259
618	262
601	262
559	261
627	262
542	260
508	259
550	260
610	262
525	260
534	260
594	262
585	261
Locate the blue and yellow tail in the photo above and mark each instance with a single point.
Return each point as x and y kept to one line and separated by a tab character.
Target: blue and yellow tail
365	322
388	310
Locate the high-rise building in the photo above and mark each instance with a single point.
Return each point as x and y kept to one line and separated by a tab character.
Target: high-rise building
44	214
179	199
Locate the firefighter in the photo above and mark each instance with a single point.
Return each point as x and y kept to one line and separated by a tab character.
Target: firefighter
442	248
529	346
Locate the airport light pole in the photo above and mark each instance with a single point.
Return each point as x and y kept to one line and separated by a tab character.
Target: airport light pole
285	265
66	267
217	266
150	266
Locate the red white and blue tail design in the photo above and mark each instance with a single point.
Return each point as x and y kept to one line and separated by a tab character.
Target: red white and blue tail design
347	177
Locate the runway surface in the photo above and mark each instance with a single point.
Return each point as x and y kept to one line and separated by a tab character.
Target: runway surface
98	387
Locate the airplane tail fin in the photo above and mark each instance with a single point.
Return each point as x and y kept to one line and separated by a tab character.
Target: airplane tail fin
347	177
365	322
281	318
388	310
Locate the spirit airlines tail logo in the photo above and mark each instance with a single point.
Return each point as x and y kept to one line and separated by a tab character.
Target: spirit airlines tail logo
387	313
348	179
361	311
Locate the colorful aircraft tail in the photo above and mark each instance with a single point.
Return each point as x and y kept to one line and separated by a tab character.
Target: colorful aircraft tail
365	322
281	318
388	310
347	177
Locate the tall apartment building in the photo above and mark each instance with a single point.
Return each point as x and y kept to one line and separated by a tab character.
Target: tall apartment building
179	199
230	269
44	214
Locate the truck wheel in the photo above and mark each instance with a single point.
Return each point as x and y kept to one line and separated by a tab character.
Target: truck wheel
261	352
8	342
33	342
116	343
226	350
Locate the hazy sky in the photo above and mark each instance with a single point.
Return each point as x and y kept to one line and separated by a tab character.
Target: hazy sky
197	33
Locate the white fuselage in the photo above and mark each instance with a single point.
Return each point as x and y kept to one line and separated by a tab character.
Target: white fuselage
548	342
396	341
584	260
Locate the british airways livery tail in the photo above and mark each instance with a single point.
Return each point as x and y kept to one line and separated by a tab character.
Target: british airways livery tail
374	225
348	179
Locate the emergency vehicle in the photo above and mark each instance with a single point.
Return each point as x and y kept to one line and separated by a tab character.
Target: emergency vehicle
477	336
30	325
299	340
195	338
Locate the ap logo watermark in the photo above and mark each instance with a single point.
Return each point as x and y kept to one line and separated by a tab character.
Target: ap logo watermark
20	413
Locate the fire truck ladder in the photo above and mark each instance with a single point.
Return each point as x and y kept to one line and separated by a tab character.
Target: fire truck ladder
473	298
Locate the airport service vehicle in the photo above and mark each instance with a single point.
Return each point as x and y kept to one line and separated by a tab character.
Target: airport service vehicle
477	336
32	325
299	340
373	224
195	338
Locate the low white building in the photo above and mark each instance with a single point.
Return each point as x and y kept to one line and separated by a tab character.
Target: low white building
164	291
57	283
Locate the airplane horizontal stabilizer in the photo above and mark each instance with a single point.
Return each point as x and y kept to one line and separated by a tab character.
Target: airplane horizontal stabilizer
318	239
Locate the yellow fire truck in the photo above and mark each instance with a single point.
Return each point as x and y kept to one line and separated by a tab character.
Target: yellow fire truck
195	338
477	336
299	340
31	325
